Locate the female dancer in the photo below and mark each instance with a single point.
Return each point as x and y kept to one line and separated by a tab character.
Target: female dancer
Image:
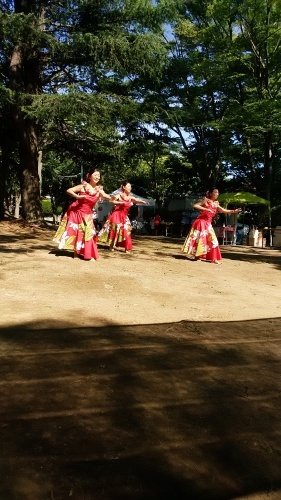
117	228
201	242
77	230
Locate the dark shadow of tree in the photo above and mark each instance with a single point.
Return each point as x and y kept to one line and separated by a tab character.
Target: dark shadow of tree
274	257
21	243
162	248
166	248
169	411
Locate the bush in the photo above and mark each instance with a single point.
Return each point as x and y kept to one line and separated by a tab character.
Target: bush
47	208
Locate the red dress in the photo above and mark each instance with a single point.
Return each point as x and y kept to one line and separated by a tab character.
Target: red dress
201	241
77	230
117	228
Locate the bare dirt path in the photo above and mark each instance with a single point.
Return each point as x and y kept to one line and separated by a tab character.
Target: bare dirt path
142	376
155	283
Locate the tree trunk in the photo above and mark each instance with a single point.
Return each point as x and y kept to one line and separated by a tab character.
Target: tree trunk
3	176
268	163
25	80
17	206
30	182
40	164
27	135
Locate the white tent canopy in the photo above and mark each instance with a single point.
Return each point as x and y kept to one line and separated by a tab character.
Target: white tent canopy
104	207
152	203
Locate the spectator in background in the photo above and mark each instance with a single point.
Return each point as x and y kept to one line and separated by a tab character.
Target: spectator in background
96	220
185	224
157	222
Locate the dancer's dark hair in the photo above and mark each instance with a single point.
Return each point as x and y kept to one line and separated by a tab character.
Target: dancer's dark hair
90	173
210	191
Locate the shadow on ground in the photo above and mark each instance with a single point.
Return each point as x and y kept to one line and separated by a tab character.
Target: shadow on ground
270	256
173	411
171	247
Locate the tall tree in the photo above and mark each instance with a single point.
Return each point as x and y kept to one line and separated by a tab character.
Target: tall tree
221	90
258	35
193	93
94	46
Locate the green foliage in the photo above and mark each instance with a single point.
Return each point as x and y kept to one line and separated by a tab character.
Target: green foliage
46	208
221	90
70	67
173	110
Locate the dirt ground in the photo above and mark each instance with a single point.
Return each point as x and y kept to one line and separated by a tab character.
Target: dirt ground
139	376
